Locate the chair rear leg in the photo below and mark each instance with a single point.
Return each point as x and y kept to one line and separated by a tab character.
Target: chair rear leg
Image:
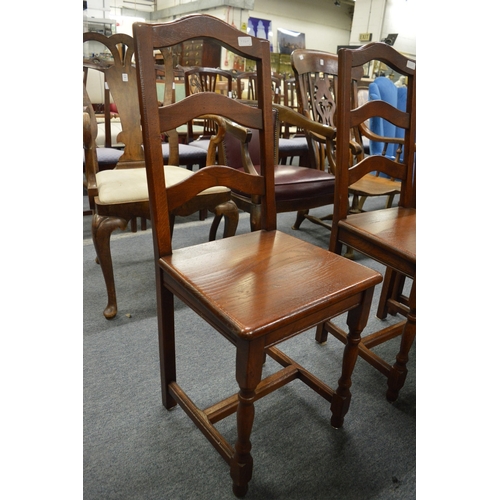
399	370
301	216
230	212
166	341
388	291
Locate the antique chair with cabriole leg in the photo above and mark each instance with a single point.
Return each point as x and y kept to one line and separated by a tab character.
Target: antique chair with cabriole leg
240	285
120	195
388	235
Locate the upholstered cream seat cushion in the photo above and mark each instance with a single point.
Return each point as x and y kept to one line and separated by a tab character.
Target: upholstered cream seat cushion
116	128
128	185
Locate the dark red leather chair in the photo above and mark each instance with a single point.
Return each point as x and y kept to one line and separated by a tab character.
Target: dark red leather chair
297	188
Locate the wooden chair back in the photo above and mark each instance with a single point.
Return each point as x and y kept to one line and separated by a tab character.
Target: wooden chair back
120	77
120	80
151	37
316	76
204	79
290	100
348	118
246	86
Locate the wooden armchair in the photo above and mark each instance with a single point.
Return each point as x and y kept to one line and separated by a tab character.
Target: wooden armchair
120	195
297	188
388	235
241	286
316	74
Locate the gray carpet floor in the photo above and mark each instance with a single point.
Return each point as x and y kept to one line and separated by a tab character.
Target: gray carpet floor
135	449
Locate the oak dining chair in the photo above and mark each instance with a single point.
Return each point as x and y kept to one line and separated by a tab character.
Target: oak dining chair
241	285
387	235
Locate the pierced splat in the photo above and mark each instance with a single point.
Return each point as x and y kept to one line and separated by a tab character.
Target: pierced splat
195	83
120	76
323	101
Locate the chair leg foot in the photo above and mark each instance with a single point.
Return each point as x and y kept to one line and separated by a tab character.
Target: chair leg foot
242	461
110	311
299	219
356	322
240	491
399	370
349	253
321	334
340	406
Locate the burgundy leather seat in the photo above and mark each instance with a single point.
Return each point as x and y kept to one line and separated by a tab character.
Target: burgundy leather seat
297	188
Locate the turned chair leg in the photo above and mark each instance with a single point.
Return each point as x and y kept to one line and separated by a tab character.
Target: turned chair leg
356	321
249	360
399	370
102	227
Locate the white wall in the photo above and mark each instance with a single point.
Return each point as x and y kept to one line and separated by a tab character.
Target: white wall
381	17
400	17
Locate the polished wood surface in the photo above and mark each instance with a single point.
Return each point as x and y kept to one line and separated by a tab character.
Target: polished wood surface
120	75
256	289
388	235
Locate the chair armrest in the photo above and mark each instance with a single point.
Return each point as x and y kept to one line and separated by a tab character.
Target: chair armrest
319	131
366	132
215	140
243	136
292	117
379	138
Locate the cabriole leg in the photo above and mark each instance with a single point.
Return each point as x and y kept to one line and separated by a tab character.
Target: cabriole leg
102	227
